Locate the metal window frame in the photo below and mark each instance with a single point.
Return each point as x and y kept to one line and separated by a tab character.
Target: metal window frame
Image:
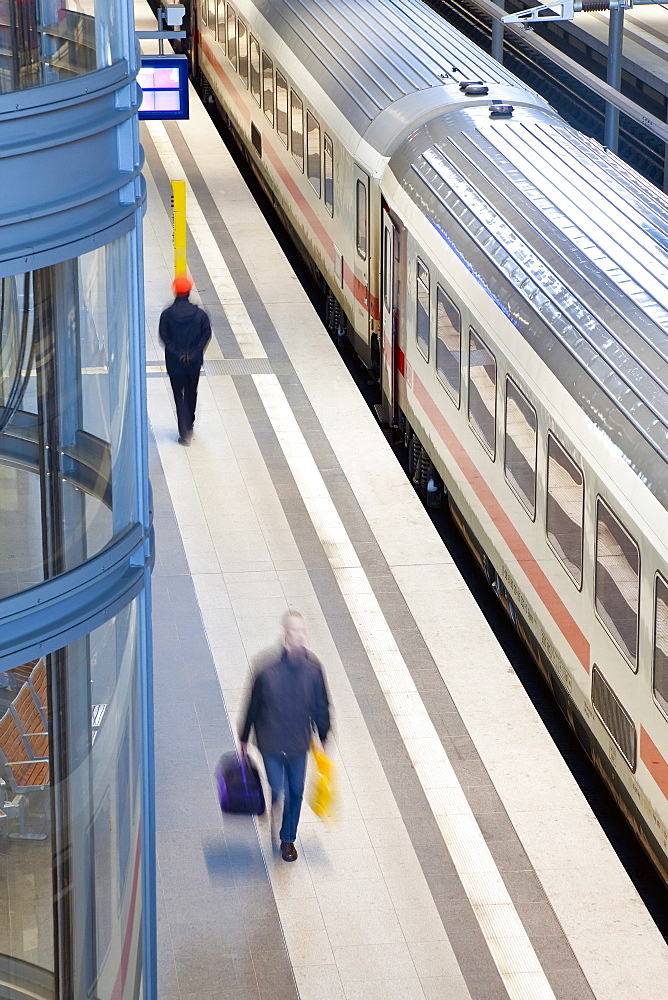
294	97
657	576
257	97
633	664
310	117
419	263
531	513
493	450
267	62
327	138
231	19
550	434
362	251
456	398
244	78
284	86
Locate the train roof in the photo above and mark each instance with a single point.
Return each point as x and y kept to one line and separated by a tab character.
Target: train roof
368	54
551	217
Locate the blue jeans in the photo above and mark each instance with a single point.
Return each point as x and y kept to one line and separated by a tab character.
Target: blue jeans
286	775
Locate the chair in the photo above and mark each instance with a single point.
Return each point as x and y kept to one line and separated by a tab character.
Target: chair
15	677
38	685
24	771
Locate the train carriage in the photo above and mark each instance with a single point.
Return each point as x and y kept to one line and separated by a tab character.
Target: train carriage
507	278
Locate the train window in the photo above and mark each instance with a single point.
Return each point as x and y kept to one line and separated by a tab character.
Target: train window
565	508
282	107
313	152
231	36
361	220
255	89
268	87
422	318
212	15
297	129
661	643
520	446
482	392
617	580
242	50
222	32
204	9
328	150
448	351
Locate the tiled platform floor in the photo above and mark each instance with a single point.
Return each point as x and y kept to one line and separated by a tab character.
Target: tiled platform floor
375	908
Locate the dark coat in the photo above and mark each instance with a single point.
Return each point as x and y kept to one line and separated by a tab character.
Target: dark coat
288	700
185	331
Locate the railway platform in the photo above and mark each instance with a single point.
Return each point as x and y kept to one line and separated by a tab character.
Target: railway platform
645	54
465	861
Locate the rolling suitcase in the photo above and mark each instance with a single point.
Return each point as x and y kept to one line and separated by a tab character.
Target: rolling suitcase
239	785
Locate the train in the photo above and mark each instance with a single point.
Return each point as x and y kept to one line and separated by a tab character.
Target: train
506	277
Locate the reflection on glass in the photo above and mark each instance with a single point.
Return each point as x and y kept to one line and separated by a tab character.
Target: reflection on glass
448	330
71	800
26	897
564	517
661	643
66	437
281	107
617	580
268	86
482	392
329	175
521	446
46	42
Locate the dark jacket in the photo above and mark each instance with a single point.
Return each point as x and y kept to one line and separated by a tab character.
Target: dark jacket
288	700
185	331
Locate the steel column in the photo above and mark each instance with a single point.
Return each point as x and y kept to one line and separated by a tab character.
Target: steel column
614	76
497	36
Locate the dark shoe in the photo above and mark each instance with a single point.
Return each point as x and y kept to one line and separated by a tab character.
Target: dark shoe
288	851
185	442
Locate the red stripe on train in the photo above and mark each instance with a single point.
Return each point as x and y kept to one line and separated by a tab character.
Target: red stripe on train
562	617
653	760
520	550
368	302
225	80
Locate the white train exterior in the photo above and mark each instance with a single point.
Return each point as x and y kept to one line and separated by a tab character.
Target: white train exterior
509	278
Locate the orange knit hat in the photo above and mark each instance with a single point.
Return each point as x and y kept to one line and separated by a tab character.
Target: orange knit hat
182	285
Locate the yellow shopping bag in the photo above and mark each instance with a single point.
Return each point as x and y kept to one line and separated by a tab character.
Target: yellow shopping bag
324	785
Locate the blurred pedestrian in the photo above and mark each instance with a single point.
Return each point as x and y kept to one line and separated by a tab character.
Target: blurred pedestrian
185	331
288	701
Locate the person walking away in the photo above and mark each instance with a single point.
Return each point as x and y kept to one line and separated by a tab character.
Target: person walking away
288	700
185	331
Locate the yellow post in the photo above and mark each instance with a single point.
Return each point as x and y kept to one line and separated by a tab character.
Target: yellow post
179	227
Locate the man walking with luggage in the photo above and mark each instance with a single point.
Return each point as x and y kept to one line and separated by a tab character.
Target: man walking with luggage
185	331
288	700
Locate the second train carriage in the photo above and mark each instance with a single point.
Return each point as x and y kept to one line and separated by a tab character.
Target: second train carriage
509	280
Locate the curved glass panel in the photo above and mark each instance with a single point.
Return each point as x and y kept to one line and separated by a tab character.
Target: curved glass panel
47	42
67	454
71	799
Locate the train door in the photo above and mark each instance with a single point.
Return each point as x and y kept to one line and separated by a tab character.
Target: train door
389	310
362	254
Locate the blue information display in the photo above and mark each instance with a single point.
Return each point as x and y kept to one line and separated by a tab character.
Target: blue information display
164	82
